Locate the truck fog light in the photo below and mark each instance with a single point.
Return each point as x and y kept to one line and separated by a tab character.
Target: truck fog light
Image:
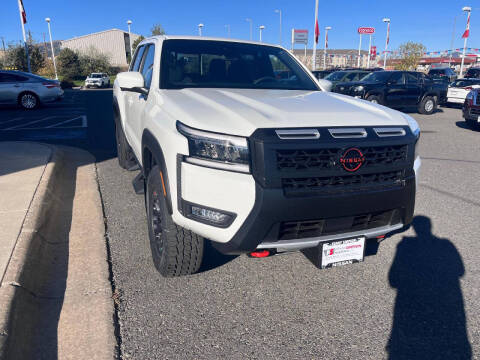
207	215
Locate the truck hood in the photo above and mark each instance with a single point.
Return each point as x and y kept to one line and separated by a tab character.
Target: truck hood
242	111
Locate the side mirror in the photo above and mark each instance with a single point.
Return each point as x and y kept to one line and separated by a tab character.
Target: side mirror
132	81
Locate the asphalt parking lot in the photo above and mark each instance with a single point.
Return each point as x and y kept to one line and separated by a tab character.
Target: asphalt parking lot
417	298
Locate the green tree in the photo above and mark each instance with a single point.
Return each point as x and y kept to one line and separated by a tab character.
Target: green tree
410	55
16	58
94	61
136	42
157	29
68	64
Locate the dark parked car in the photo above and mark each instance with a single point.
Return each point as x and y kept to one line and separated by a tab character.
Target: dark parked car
398	89
473	73
471	108
346	76
446	74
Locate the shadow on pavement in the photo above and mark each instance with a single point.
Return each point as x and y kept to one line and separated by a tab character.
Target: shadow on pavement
429	315
213	259
464	125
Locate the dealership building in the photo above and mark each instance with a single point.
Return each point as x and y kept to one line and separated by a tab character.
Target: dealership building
114	43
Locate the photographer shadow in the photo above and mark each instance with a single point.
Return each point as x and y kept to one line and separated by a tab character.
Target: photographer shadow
429	315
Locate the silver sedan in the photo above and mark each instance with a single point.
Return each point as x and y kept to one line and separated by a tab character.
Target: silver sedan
28	90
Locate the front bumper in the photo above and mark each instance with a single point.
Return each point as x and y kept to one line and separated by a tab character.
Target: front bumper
270	213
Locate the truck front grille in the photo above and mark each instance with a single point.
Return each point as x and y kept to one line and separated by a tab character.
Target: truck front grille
316	228
344	183
311	159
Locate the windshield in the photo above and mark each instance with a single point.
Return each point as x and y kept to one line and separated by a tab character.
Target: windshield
335	76
464	83
221	64
96	76
377	77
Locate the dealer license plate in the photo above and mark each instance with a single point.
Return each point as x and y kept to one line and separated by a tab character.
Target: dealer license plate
342	252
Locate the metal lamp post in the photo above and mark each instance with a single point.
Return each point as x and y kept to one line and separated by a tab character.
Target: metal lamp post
468	10
261	29
200	26
326	47
280	28
129	22
387	40
51	45
228	29
251	28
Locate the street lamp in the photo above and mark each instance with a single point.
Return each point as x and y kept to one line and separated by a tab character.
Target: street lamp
261	29
280	29
251	28
200	26
326	47
51	45
468	10
129	22
228	29
387	40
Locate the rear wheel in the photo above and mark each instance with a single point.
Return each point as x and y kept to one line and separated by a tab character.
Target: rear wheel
124	153
175	250
374	99
427	106
28	101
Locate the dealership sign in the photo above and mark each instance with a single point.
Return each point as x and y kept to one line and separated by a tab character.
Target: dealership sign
366	30
299	36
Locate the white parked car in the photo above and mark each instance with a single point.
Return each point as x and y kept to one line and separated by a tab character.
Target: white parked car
256	164
459	89
97	80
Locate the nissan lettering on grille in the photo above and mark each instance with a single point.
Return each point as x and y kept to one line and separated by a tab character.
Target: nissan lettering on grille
352	159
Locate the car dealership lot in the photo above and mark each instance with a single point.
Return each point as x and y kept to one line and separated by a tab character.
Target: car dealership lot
418	297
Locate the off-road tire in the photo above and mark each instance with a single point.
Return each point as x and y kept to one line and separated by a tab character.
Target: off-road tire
427	106
28	101
374	99
124	153
175	250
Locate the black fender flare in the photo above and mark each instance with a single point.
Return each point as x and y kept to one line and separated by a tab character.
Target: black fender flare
376	93
432	94
150	143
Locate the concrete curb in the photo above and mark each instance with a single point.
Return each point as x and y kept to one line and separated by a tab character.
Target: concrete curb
57	301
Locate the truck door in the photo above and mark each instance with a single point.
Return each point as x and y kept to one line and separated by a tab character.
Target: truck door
395	90
414	89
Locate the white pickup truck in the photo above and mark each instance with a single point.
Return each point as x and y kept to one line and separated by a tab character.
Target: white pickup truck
256	163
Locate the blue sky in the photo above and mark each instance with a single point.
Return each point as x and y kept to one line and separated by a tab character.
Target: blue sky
429	22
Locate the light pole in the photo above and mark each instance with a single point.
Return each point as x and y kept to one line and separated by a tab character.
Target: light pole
228	29
261	29
387	40
326	47
129	22
280	29
251	28
465	35
369	51
359	51
51	45
200	26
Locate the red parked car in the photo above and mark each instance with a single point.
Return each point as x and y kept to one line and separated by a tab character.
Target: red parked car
471	108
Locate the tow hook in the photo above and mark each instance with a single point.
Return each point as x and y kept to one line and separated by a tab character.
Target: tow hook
259	253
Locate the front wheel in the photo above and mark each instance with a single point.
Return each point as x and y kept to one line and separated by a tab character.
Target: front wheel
175	251
427	106
374	99
28	101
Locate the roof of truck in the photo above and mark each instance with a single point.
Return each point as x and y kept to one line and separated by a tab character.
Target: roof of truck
206	38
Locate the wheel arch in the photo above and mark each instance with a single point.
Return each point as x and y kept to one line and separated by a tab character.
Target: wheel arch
152	154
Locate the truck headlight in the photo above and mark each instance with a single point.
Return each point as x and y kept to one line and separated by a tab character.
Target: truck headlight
219	151
358	88
415	128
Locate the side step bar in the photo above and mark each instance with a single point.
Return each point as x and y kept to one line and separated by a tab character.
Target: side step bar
139	184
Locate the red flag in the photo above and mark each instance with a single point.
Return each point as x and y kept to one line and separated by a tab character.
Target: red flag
317	31
467	30
388	33
22	11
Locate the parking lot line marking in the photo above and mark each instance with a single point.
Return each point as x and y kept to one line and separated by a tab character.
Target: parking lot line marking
30	123
83	117
11	120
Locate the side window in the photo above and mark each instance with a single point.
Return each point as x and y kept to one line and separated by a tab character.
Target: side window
412	79
397	79
147	67
138	59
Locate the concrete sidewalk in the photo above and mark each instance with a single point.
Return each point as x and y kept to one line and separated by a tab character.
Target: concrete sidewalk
21	167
